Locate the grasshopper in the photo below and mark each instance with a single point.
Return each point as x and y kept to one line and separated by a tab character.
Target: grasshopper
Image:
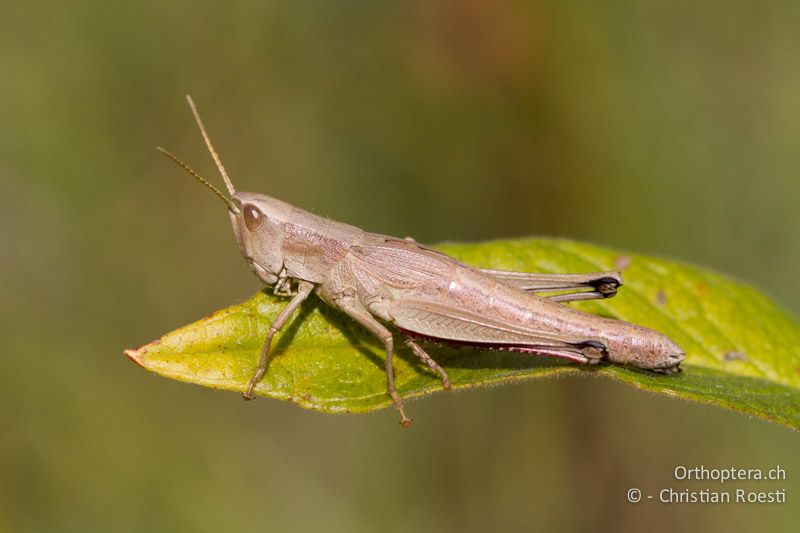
378	280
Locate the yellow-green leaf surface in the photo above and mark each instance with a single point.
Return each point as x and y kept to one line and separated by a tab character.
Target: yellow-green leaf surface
742	350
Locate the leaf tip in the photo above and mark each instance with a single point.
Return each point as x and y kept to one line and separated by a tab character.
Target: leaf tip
135	355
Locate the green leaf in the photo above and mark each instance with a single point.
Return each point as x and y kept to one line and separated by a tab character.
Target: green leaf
741	348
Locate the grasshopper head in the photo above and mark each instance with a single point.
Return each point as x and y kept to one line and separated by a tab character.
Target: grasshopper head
258	223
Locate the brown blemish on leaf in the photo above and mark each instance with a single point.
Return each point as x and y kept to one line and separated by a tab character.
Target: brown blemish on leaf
622	262
700	288
661	297
734	355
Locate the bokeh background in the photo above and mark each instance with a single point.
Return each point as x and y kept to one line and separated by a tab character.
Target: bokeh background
663	127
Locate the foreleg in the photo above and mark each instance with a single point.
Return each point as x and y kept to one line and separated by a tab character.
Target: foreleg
303	290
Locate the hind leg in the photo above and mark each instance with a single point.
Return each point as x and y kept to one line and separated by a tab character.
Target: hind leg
428	360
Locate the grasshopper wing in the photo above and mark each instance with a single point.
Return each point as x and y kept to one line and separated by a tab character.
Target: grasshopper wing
448	324
396	263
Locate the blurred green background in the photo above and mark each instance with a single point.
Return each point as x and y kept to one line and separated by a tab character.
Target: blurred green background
662	127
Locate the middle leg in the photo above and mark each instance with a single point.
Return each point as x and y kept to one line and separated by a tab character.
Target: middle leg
363	317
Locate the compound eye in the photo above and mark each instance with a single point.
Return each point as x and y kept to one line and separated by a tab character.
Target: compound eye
253	218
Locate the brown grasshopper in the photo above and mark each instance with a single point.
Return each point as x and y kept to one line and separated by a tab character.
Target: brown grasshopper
377	279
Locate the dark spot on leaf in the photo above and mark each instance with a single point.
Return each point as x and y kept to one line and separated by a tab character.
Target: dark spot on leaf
661	297
700	287
736	356
622	262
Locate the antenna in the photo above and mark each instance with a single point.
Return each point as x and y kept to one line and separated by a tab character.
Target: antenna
210	146
231	205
